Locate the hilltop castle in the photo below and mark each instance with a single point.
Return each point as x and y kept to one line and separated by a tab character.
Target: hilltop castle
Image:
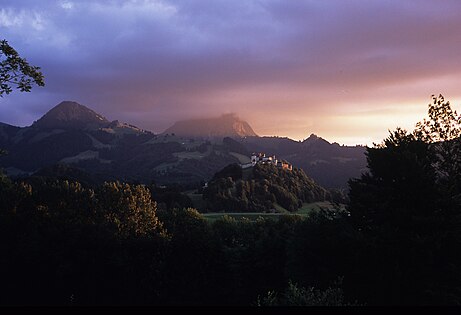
260	158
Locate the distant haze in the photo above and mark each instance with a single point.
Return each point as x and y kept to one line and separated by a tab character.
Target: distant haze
345	70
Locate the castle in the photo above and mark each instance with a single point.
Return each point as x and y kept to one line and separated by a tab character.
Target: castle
261	158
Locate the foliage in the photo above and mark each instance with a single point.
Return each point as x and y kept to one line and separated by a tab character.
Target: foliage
267	185
400	183
108	246
67	242
233	171
130	208
407	208
443	123
170	197
300	296
127	210
253	256
192	259
442	132
16	71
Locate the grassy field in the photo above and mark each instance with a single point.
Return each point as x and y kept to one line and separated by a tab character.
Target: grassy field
309	207
239	215
242	158
190	155
304	211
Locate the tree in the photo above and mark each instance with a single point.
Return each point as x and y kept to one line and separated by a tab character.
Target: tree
130	209
412	173
443	123
16	71
408	210
442	133
400	183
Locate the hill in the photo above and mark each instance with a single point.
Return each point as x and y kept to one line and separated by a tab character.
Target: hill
262	188
228	125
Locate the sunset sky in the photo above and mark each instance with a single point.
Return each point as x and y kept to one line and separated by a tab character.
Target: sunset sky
345	70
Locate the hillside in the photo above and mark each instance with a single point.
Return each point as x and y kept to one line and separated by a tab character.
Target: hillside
263	188
6	134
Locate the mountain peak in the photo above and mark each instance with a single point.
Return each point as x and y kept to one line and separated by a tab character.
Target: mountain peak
313	138
226	125
71	115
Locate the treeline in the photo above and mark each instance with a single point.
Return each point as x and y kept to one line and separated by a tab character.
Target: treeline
262	187
66	244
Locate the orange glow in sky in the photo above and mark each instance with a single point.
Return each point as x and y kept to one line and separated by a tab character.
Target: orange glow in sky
345	70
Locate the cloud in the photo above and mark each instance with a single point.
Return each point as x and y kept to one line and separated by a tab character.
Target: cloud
9	19
66	5
134	8
154	62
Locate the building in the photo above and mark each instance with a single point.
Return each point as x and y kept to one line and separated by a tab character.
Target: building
261	158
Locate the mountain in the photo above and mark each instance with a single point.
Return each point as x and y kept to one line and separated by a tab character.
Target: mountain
228	125
69	133
315	141
71	115
74	135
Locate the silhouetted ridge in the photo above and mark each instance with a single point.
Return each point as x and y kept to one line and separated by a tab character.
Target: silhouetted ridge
314	139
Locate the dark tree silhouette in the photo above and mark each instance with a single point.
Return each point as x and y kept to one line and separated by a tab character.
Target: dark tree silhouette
408	208
16	71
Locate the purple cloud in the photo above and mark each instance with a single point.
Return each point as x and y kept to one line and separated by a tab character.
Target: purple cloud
289	68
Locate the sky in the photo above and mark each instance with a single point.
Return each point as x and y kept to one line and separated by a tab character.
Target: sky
346	70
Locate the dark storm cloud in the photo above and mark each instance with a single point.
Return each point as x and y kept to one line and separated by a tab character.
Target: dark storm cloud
152	62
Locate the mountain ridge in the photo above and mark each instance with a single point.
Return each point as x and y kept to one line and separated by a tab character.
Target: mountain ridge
75	135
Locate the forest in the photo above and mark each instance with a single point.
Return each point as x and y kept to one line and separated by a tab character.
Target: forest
66	243
262	188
